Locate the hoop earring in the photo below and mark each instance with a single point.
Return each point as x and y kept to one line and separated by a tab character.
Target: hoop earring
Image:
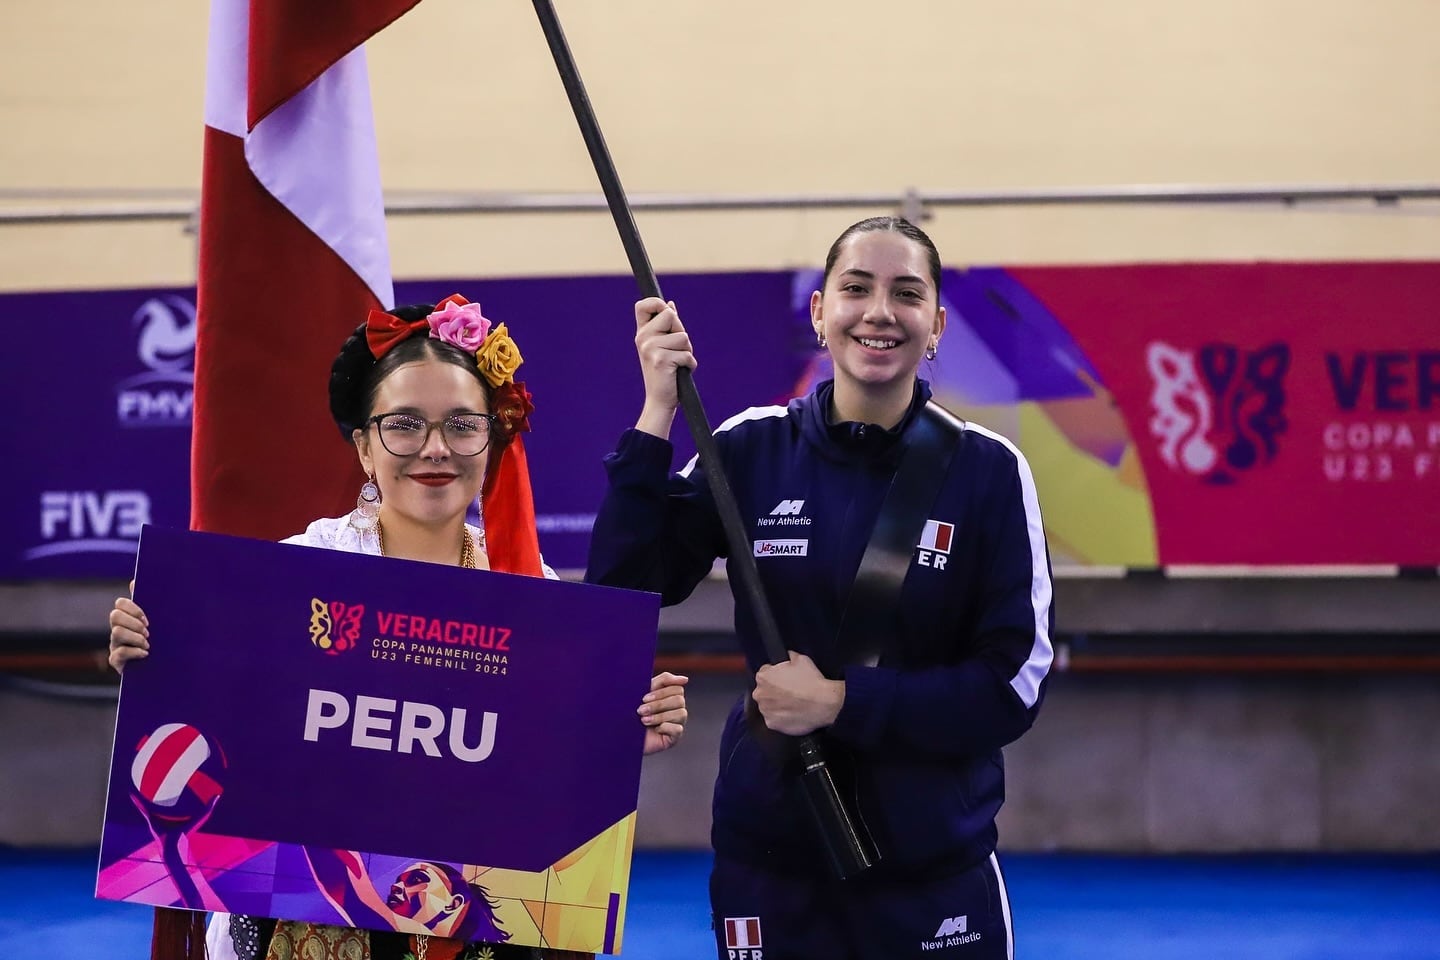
820	340
367	506
930	350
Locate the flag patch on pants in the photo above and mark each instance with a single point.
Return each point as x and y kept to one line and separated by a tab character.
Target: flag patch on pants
742	932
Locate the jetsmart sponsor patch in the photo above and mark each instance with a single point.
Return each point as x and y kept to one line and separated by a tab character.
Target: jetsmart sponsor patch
781	548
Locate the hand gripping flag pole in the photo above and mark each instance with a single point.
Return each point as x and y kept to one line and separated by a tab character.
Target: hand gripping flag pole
849	851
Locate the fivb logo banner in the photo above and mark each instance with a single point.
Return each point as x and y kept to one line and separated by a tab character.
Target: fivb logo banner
90	521
126	359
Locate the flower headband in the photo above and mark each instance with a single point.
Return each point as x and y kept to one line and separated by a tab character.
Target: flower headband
458	322
455	321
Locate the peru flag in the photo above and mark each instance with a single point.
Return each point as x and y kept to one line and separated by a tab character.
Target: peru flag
937	536
292	255
742	933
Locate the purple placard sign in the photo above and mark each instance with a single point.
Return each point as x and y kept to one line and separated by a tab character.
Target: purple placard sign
313	727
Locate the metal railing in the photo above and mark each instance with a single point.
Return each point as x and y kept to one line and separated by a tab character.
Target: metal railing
179	206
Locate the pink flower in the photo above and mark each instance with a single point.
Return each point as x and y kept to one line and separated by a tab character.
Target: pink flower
459	325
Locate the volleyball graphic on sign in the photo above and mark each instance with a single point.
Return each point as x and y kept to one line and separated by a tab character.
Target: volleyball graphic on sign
176	775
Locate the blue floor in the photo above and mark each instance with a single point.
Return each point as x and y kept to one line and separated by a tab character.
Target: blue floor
1066	907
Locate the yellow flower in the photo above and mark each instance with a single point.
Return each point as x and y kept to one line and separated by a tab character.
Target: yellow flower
498	357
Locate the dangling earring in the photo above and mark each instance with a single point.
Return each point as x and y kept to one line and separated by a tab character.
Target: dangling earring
930	350
367	506
820	340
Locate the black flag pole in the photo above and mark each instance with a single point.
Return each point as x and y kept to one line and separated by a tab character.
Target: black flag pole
850	852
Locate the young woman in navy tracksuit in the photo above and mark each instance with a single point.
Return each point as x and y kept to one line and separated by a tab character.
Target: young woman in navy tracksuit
961	676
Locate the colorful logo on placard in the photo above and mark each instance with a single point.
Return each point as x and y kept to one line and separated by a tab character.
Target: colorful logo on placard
335	627
1217	411
165	343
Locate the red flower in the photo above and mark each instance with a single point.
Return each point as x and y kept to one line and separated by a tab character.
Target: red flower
512	408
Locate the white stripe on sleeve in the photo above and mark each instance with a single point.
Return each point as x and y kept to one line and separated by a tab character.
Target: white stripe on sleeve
1026	683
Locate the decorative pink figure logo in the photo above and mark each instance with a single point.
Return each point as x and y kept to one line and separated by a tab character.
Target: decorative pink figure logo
1218	410
1182	410
335	627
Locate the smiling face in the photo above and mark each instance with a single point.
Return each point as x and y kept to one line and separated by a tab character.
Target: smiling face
435	486
879	312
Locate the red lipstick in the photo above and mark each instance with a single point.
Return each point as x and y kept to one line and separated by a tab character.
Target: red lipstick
433	479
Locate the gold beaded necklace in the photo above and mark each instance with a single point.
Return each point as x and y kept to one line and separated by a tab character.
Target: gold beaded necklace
467	545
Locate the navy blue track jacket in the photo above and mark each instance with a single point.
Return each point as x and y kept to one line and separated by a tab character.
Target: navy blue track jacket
963	674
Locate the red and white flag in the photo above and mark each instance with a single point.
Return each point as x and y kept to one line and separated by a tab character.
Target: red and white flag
937	536
742	933
293	254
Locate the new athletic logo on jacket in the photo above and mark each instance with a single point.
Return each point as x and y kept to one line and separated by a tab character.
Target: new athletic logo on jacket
964	672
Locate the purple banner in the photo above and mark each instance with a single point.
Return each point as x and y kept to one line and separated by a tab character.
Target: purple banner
127	360
314	727
109	376
1177	443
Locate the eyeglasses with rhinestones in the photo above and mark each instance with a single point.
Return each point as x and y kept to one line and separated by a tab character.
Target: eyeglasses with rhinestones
404	434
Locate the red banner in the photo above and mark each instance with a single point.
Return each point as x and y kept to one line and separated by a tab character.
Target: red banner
1282	413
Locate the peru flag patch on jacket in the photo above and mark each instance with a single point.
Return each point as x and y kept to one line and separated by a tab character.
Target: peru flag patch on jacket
937	536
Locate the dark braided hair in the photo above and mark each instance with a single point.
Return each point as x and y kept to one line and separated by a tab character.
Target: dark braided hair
896	225
356	375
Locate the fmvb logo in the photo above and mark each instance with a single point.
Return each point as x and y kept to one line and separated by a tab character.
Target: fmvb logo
1218	410
742	938
90	521
934	545
335	627
164	395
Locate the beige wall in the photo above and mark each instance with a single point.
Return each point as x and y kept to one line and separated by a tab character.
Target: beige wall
765	96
